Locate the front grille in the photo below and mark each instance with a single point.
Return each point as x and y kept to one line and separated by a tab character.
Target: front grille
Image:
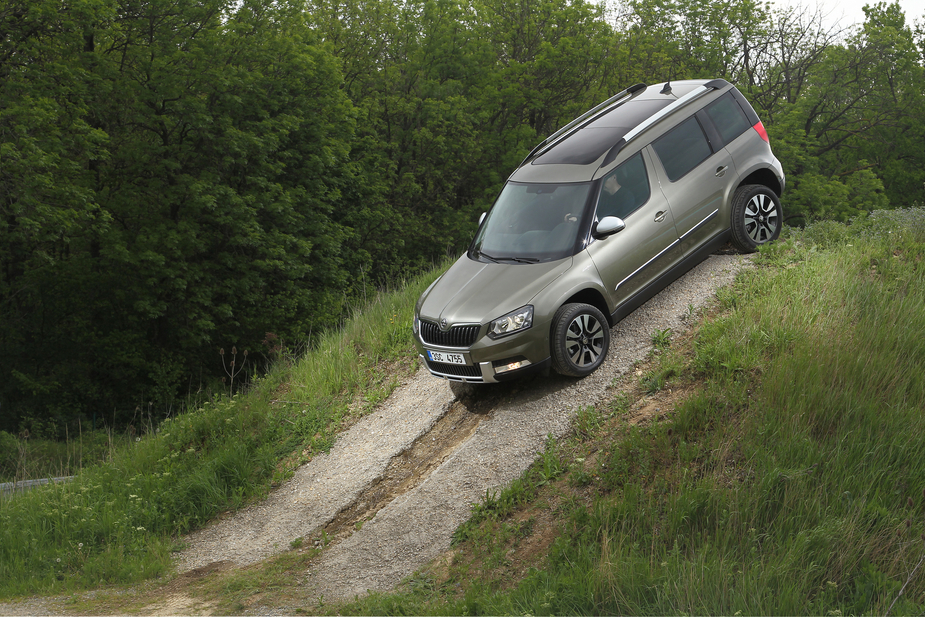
459	370
457	336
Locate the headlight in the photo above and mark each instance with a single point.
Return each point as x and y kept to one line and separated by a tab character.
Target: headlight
515	321
415	324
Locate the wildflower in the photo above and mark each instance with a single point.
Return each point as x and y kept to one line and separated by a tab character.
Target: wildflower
58	560
80	545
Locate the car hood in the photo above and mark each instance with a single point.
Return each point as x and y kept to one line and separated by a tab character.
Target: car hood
475	292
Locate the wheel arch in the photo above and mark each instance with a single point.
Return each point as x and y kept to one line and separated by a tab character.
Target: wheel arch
763	176
594	298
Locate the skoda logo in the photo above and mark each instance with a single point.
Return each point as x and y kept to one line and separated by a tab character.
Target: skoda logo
443	324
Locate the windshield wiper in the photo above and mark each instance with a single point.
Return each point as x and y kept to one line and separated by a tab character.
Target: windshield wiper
479	253
523	260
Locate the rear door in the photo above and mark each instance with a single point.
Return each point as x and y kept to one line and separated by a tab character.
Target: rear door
694	175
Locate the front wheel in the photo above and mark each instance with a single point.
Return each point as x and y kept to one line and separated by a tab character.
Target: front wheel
756	217
580	339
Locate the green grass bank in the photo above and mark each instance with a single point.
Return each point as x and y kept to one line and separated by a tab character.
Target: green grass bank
119	520
790	481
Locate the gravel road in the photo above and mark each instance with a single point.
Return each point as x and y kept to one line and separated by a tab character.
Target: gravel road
418	524
475	445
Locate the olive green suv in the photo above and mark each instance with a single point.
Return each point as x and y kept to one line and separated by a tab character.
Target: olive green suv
598	218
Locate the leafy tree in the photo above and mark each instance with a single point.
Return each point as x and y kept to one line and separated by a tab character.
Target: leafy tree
836	136
180	192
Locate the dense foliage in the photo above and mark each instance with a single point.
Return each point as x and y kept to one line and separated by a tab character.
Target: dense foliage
181	176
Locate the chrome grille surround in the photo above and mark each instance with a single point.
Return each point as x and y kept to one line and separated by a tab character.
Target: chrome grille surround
457	336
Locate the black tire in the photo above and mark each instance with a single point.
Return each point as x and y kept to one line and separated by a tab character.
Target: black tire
580	339
756	217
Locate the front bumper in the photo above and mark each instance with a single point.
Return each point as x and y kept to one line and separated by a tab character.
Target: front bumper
483	372
492	361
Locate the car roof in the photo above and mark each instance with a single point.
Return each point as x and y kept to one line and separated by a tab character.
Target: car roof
594	140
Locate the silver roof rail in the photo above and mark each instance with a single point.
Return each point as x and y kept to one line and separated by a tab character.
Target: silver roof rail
585	118
669	109
664	111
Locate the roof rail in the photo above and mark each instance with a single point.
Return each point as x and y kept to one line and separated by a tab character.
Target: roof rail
661	113
585	118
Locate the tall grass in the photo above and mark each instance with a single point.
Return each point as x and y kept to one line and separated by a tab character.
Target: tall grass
118	521
37	456
792	483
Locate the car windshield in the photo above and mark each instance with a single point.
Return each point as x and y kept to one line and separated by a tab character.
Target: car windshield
533	222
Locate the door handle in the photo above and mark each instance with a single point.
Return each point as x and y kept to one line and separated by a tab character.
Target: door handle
660	216
721	171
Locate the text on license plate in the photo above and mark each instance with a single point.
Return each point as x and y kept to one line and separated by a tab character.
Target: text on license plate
446	358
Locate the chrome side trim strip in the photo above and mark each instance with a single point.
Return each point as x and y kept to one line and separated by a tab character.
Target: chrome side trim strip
646	265
700	224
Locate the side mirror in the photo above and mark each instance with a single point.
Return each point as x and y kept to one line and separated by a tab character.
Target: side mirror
482	218
608	226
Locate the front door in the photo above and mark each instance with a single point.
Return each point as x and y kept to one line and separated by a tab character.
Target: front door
630	259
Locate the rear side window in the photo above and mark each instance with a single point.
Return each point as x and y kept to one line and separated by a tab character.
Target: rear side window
728	118
682	149
624	189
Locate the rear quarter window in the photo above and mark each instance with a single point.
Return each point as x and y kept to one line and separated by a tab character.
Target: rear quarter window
728	117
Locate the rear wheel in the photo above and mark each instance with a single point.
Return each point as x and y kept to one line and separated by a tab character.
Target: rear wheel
756	217
580	339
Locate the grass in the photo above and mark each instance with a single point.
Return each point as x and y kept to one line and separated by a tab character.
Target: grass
118	520
789	480
38	456
768	462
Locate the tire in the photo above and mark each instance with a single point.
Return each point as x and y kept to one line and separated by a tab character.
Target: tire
580	339
756	217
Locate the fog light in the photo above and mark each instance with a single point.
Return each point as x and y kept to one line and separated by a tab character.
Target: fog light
511	366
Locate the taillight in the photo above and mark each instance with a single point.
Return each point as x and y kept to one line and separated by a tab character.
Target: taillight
763	133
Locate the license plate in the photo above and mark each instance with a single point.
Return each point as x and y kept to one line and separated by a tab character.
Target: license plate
446	358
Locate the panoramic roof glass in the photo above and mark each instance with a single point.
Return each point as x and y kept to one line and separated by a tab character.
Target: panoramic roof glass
591	142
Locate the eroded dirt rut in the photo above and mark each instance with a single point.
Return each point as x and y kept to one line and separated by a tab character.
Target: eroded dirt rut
397	484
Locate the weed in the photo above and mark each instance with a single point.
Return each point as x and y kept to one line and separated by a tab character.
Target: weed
587	420
230	369
661	339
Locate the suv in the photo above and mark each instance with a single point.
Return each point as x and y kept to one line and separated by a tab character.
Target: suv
601	216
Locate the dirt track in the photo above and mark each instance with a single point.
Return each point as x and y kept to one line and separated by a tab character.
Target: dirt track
387	497
399	482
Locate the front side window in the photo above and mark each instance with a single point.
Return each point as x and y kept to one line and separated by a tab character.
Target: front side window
532	222
682	149
624	189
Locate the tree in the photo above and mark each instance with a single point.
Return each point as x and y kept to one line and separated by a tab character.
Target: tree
213	216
